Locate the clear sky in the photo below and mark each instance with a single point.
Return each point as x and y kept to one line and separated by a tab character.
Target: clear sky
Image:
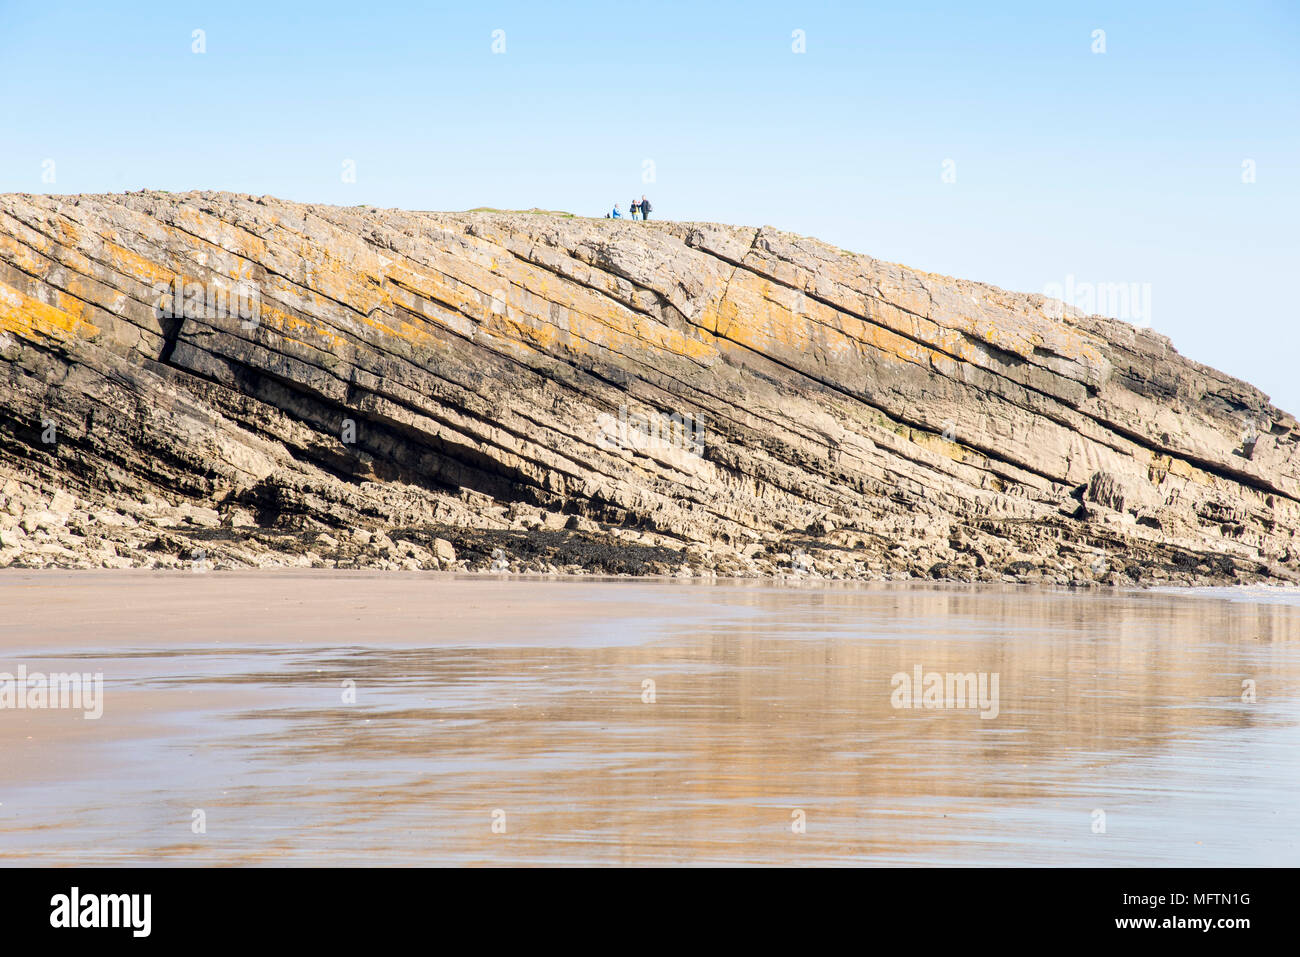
1066	167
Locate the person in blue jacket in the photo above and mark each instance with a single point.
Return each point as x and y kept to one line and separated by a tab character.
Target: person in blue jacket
616	214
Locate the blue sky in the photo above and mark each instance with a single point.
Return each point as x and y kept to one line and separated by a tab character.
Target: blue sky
1070	165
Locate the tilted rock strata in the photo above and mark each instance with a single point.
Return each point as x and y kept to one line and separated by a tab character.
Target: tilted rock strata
475	390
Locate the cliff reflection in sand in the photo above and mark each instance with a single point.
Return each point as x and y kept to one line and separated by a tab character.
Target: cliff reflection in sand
524	704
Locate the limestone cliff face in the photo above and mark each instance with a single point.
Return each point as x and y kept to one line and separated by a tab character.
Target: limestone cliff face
222	379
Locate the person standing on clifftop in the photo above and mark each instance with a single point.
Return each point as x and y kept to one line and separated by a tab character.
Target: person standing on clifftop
634	207
645	207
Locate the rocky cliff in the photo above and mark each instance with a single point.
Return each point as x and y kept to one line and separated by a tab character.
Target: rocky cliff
210	379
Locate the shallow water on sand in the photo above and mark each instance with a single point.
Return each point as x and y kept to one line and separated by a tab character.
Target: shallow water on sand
482	700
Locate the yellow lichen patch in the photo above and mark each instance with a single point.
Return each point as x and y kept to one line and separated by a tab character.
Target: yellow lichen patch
23	257
429	286
903	304
624	324
944	365
541	336
1162	466
134	265
32	319
628	325
717	314
68	234
296	329
90	290
521	309
408	331
940	445
1188	471
31	254
364	292
198	226
689	346
761	323
383	307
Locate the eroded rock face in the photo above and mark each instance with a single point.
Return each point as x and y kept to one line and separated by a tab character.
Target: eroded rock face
539	393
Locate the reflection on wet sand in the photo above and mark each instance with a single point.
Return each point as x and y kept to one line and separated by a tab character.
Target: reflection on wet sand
229	694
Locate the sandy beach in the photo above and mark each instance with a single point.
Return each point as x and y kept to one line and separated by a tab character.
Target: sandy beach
360	718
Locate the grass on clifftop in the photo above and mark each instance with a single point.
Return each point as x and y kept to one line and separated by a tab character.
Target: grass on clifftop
534	211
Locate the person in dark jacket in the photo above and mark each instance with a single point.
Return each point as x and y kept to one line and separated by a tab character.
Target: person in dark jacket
634	207
645	207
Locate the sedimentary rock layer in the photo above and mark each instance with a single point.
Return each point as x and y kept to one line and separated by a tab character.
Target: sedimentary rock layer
549	393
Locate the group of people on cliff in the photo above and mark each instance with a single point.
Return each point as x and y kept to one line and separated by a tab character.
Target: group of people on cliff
639	210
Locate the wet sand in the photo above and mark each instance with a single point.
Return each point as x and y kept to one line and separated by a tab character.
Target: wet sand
224	692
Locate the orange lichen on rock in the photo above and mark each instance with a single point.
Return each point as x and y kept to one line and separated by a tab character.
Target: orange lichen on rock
32	319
